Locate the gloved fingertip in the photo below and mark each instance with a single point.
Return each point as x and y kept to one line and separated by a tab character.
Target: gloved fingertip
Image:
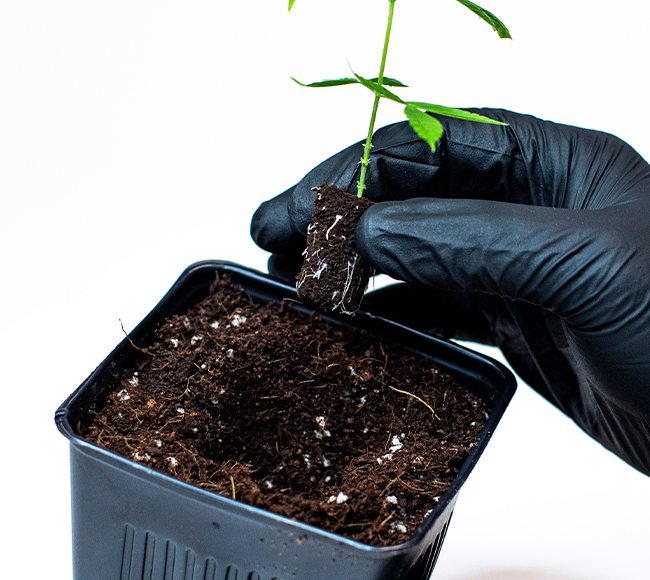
271	228
301	206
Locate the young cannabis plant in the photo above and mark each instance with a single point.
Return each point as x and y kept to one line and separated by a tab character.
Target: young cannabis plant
427	127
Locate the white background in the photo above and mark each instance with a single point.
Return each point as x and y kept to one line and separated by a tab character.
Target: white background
137	137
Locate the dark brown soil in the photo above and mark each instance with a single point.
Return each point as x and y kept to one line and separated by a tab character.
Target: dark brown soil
334	276
331	427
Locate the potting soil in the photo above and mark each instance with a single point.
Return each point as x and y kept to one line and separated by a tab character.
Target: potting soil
330	426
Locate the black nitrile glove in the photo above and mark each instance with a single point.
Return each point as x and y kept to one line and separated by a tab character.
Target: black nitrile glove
533	237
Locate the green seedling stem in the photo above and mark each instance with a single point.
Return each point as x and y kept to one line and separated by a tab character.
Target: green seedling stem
365	160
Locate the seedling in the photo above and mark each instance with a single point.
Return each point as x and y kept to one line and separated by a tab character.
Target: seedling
426	126
334	276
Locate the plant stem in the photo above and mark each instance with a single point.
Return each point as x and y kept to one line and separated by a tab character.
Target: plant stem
366	148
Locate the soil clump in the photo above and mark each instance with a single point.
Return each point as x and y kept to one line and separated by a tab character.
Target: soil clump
334	276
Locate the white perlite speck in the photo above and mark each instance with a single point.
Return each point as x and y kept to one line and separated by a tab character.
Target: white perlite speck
400	527
391	499
215	324
195	339
340	498
174	342
173	461
321	432
396	444
237	320
123	395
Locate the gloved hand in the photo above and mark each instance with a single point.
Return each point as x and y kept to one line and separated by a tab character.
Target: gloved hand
533	237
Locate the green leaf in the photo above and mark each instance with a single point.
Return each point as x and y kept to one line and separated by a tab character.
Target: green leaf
426	126
291	2
328	83
498	26
455	113
378	89
347	81
388	82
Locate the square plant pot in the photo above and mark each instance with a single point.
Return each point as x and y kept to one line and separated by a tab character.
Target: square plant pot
132	522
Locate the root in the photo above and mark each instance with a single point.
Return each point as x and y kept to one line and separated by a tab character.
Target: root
145	351
417	399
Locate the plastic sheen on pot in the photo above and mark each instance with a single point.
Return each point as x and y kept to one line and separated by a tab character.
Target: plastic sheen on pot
131	522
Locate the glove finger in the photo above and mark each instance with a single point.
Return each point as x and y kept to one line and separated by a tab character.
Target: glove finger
556	259
527	161
271	227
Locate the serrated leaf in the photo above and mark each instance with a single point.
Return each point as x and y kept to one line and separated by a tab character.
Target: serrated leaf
455	113
378	89
426	126
498	26
291	2
347	81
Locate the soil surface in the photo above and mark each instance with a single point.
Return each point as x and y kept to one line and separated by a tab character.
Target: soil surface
334	276
332	427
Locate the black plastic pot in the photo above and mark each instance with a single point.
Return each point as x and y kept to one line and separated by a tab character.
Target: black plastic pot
130	522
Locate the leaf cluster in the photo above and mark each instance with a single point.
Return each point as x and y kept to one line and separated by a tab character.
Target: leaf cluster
426	126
